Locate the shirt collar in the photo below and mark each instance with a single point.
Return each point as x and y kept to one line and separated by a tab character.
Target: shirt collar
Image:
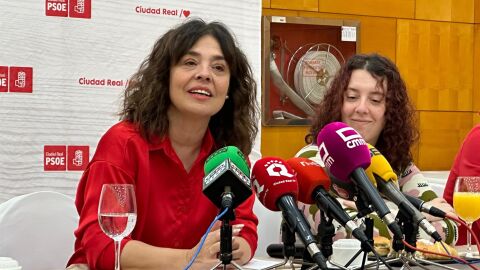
164	143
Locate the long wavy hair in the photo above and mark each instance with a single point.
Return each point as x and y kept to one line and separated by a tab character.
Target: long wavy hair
400	131
147	99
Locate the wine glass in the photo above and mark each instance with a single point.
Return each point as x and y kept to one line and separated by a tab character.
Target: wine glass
466	198
117	213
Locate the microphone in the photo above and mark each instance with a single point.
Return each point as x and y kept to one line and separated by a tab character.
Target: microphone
230	152
345	154
313	185
225	183
277	188
382	174
425	207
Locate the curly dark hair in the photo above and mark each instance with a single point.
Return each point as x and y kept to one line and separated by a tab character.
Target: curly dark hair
147	99
400	131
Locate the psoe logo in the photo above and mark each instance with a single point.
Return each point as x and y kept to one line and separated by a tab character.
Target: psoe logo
16	79
54	157
69	8
77	157
62	157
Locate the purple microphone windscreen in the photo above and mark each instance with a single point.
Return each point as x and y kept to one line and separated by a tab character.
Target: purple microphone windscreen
342	150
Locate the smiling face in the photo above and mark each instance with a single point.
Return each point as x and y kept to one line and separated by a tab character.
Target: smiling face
364	105
199	81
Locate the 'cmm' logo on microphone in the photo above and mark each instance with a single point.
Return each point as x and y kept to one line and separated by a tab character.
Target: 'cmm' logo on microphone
351	137
325	156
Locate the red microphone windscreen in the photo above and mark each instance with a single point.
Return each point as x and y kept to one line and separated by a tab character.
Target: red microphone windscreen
342	150
310	175
273	178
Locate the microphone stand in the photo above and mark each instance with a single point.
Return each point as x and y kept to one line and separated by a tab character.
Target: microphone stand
325	234
364	248
226	239
399	254
288	239
411	232
363	210
404	254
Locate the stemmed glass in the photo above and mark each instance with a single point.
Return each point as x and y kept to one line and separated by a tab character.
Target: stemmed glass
117	213
466	198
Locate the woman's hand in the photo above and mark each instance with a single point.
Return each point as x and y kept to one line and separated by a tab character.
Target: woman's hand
207	257
209	254
441	204
347	203
241	251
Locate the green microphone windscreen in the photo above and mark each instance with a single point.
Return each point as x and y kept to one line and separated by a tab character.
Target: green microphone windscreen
230	152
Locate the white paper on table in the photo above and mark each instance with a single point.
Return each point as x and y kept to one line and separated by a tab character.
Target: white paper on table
257	264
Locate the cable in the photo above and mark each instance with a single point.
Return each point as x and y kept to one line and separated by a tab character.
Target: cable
205	237
440	254
448	253
458	220
460	262
379	257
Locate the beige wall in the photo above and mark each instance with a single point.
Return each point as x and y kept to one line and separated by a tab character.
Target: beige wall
436	45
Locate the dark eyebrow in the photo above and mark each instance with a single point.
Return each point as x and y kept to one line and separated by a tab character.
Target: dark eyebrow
196	54
351	89
377	92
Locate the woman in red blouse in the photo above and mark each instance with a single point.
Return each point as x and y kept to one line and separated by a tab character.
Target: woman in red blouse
467	163
195	93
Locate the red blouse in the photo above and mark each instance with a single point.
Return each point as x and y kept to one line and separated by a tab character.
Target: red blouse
467	163
171	208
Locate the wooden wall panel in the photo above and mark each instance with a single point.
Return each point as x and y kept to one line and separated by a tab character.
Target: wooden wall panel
415	148
265	3
307	5
436	61
445	10
381	8
436	46
283	142
376	34
441	133
476	118
476	69
477	11
280	12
